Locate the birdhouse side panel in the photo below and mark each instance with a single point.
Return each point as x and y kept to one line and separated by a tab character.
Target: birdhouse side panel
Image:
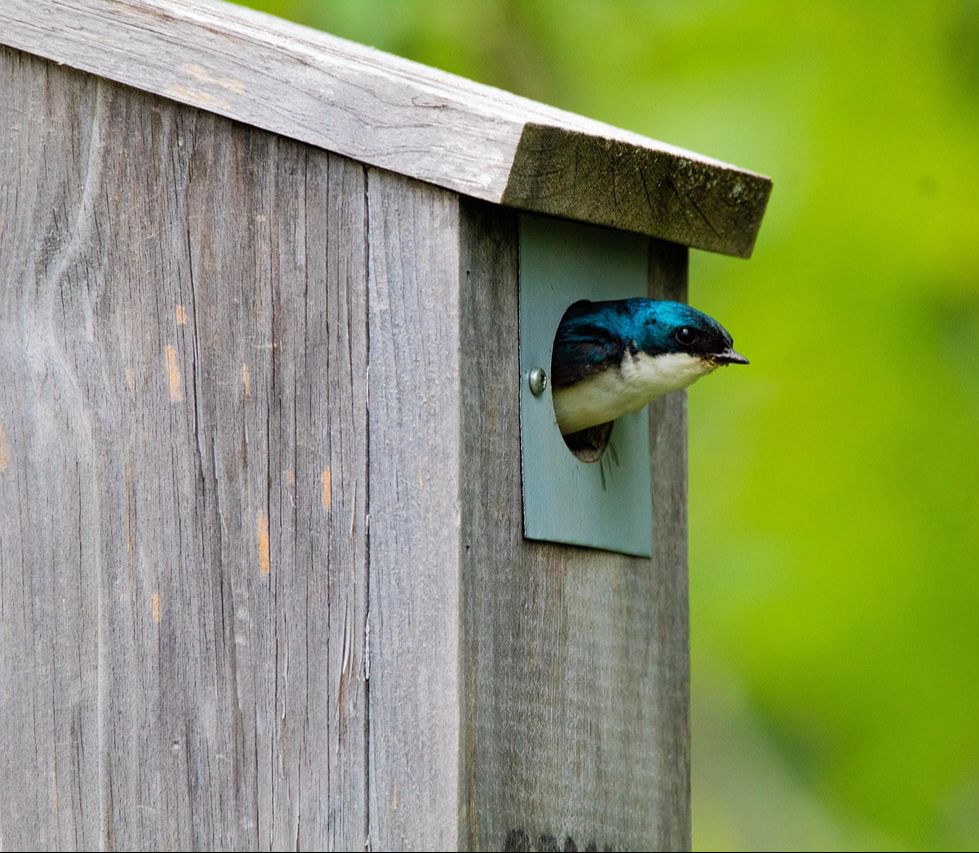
575	660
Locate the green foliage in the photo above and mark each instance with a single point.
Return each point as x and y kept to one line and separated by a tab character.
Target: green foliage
834	498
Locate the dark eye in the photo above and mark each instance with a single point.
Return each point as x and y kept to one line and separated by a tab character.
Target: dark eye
685	336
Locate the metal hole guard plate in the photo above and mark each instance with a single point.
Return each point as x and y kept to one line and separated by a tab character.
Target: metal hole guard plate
605	504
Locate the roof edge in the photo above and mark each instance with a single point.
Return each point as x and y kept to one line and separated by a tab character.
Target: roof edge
396	114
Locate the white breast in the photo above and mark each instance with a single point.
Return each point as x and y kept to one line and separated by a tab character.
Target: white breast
616	391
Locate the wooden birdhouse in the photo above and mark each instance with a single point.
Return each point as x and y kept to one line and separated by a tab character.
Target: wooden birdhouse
291	554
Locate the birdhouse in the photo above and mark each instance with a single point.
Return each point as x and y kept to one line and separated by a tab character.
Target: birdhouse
293	554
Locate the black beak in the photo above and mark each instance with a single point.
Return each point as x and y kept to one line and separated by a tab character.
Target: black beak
729	356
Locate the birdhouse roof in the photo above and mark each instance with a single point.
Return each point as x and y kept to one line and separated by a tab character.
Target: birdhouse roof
388	112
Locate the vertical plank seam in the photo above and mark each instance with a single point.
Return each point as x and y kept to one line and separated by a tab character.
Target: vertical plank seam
197	380
367	511
466	231
104	780
295	503
464	794
272	578
195	387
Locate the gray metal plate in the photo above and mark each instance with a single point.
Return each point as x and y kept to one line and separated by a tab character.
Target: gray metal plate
605	504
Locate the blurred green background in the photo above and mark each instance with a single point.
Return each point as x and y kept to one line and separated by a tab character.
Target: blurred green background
834	485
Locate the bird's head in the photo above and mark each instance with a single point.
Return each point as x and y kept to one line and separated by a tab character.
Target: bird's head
672	328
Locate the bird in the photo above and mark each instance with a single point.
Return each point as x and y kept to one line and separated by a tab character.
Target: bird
614	357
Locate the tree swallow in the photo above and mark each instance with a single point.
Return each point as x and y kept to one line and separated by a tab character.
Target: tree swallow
611	358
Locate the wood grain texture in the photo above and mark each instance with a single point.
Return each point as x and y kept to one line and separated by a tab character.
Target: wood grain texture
575	662
262	578
668	269
398	115
183	345
414	515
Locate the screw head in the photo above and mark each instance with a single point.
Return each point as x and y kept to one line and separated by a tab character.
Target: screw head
537	380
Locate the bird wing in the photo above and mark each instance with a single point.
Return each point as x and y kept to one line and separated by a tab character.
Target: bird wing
583	346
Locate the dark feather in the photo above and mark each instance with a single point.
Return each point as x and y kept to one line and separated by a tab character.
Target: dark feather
589	444
583	347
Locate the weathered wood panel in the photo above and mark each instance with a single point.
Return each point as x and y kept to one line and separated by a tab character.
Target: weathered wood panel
204	643
414	514
575	661
182	585
397	114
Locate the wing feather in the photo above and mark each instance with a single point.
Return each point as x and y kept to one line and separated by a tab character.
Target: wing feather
584	345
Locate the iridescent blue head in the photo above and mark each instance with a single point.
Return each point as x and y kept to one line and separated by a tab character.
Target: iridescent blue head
658	328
